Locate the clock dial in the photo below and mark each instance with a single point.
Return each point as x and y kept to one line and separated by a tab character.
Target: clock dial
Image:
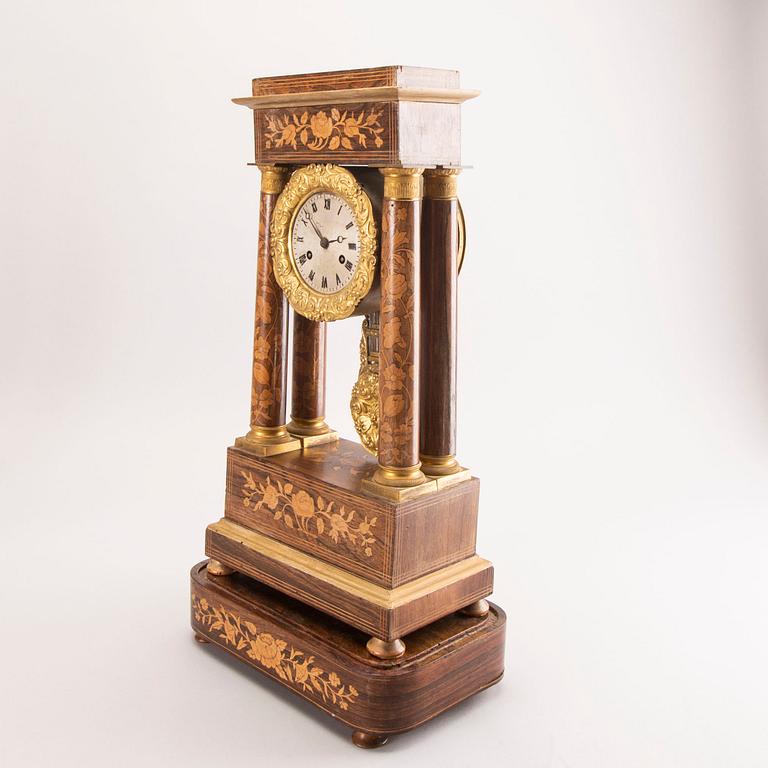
325	242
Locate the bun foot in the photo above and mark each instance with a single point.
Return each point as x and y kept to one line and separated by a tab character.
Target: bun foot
200	639
215	568
368	740
385	649
476	610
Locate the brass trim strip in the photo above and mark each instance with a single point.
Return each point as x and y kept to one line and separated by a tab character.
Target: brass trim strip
347	582
354	95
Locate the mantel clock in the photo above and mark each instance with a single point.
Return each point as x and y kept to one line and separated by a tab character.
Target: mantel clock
347	570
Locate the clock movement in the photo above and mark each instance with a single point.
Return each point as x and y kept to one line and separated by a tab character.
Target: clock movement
346	570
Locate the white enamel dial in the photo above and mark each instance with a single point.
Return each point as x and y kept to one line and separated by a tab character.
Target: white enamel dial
325	242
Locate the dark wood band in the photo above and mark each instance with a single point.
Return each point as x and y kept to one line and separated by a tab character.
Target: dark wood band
308	389
438	329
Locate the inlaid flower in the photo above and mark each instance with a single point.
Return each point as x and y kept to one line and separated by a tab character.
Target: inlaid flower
396	286
321	125
303	504
393	405
263	310
289	133
261	348
390	333
393	377
266	650
301	672
338	524
263	399
270	496
350	127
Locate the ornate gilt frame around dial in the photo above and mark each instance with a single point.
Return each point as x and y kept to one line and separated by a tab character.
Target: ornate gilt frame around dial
304	183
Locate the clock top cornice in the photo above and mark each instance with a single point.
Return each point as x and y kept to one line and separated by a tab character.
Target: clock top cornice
393	83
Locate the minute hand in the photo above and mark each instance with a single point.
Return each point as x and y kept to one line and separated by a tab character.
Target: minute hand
314	226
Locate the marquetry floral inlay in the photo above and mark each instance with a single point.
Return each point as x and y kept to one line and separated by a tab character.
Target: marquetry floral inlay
313	516
294	666
333	130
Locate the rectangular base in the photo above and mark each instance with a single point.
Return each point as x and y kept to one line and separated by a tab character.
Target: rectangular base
326	662
381	611
314	501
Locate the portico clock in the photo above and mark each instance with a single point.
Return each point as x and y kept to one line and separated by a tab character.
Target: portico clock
346	570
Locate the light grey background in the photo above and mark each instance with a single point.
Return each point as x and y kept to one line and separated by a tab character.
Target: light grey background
613	386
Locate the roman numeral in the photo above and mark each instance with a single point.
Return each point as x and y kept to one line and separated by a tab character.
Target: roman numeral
348	265
299	239
314	207
349	226
327	203
311	275
325	282
339	211
338	279
353	246
303	259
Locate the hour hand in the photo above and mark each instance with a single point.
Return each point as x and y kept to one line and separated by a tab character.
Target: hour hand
338	239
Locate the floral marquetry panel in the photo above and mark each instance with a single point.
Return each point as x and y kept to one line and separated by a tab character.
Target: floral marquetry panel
321	519
311	514
358	133
294	666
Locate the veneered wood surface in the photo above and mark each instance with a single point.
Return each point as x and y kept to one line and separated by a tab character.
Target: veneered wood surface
374	77
308	350
444	663
399	334
439	249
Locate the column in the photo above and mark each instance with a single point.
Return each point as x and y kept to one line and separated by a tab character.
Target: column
308	386
398	449
440	233
268	435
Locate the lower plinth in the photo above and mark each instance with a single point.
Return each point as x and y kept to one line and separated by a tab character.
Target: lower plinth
326	662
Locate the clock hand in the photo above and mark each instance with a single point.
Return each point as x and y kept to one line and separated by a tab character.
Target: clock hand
314	226
323	240
338	239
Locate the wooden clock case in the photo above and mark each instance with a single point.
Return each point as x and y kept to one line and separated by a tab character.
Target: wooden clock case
352	579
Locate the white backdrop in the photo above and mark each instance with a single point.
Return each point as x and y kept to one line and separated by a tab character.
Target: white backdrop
613	380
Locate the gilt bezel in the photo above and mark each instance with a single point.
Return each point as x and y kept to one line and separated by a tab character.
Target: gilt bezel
304	183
